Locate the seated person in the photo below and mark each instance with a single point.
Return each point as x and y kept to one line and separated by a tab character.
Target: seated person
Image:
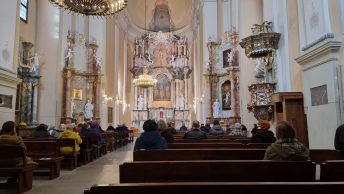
162	128
170	128
216	129
91	132
195	132
254	129
9	137
150	138
264	135
41	131
110	128
287	147
68	133
183	127
339	139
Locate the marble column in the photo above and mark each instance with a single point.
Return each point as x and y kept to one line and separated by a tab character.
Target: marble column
68	92
34	104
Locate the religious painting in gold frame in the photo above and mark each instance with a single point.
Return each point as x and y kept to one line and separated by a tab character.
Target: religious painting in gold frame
77	94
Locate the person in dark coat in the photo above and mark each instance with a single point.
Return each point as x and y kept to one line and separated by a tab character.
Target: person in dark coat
264	135
183	127
339	139
254	129
287	147
162	128
170	128
41	131
195	132
150	138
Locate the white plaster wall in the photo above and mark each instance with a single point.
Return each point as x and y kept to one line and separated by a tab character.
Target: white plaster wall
322	120
8	22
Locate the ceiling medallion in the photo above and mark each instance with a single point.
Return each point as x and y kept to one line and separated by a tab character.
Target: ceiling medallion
100	8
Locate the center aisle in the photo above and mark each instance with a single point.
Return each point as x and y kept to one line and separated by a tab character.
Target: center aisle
103	170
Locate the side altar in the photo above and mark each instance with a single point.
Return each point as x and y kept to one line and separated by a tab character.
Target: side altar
223	78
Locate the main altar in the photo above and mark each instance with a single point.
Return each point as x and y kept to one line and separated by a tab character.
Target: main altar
164	55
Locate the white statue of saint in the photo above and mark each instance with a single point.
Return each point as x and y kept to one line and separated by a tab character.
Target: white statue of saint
230	57
228	96
72	107
172	57
69	55
140	103
180	102
98	60
34	68
216	109
88	110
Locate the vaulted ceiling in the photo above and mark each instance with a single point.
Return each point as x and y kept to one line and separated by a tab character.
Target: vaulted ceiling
181	12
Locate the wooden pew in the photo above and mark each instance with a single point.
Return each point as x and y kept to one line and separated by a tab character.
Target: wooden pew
71	157
23	172
203	141
46	154
257	145
216	171
318	156
220	188
203	145
198	154
85	150
332	170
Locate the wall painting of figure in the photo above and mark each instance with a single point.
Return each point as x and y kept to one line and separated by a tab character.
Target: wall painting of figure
226	95
162	90
226	57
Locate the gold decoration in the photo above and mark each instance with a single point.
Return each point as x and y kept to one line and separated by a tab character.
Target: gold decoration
145	80
92	7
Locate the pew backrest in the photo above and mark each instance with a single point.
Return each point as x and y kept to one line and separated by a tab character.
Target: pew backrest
216	171
204	145
198	154
220	188
38	149
332	170
321	155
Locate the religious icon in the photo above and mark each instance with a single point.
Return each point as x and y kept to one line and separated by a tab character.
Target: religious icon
227	58
77	94
226	95
162	90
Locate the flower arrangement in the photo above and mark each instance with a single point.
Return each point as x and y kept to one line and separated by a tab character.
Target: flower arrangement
23	124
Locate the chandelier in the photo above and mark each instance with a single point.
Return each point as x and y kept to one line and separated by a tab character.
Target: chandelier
92	7
145	80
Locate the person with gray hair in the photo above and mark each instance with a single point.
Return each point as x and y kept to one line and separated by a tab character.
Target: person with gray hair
195	132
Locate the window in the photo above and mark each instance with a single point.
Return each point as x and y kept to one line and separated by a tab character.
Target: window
23	10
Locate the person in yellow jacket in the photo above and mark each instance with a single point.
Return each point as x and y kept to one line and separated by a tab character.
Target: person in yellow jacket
68	133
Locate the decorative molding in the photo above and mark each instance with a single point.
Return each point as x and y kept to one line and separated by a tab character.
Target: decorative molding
9	80
14	73
327	47
326	36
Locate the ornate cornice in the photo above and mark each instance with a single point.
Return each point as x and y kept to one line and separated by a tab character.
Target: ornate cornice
9	79
319	53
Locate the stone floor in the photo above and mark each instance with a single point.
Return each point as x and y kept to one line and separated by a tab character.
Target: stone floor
101	171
